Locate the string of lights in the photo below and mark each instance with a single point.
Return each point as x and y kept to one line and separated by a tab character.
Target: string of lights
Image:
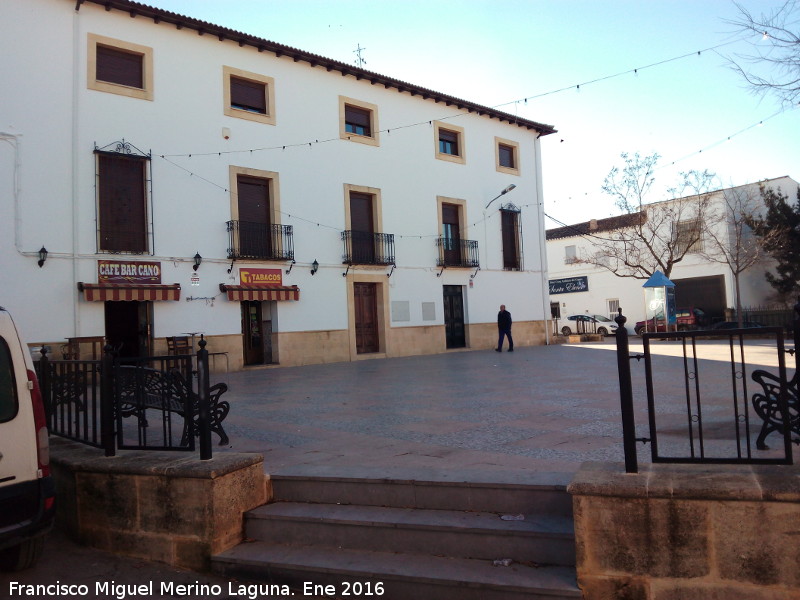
429	122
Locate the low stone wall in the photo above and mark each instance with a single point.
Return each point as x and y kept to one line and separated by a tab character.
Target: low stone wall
687	532
165	506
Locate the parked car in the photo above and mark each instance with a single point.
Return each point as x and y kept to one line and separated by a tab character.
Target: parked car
596	323
27	492
735	325
687	319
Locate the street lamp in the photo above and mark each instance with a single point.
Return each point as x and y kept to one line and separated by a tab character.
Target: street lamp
503	193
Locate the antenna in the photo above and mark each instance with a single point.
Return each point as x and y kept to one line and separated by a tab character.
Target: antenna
360	62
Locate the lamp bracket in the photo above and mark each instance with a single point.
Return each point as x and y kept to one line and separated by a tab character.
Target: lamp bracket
475	273
347	271
389	274
291	266
439	274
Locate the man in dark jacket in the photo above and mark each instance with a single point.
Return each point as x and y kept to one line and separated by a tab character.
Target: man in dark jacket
504	329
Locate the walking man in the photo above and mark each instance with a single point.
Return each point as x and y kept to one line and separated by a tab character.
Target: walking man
504	329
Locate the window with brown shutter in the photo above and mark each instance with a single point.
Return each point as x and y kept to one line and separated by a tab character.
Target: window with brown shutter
122	203
120	67
357	120
448	142
509	223
506	156
248	95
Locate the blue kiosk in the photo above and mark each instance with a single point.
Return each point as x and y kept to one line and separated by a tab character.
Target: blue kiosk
659	303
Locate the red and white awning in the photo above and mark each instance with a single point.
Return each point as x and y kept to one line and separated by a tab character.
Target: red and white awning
260	293
99	292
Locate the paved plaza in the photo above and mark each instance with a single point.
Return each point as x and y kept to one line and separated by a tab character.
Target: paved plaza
475	414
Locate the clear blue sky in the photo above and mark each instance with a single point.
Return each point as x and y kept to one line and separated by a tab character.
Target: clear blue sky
495	52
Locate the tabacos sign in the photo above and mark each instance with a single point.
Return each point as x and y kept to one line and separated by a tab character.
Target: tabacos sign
261	277
128	271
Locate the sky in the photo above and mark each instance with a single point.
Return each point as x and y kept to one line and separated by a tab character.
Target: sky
515	55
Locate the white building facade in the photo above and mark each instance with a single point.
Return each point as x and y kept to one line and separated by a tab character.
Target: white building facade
187	179
577	287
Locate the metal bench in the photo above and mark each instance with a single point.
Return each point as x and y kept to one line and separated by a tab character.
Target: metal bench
142	388
768	409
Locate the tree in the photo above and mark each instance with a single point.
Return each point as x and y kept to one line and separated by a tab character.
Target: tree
654	236
730	240
774	67
778	231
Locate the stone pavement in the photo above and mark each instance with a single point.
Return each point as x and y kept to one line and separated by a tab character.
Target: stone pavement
458	414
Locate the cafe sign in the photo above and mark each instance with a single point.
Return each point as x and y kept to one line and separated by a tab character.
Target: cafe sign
261	277
569	285
128	271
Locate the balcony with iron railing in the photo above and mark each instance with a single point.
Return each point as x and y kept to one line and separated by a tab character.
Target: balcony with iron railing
454	252
260	241
367	248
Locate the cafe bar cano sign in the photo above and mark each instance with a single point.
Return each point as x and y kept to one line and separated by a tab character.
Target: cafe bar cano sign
569	284
128	271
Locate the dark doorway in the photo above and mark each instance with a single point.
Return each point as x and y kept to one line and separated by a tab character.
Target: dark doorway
252	333
454	317
363	228
366	317
707	293
451	234
128	327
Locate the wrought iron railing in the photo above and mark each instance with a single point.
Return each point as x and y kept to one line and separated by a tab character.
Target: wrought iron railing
260	241
90	401
454	252
720	409
367	248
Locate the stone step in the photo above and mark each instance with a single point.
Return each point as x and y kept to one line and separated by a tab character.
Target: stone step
528	493
544	539
392	576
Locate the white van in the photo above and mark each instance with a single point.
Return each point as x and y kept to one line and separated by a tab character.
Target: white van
27	492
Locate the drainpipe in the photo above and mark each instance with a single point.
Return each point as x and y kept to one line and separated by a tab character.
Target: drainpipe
542	243
14	141
76	317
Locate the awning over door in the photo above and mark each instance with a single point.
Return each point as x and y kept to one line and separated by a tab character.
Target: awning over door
129	291
243	292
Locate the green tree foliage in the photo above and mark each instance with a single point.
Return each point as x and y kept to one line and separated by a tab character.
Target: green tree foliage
778	231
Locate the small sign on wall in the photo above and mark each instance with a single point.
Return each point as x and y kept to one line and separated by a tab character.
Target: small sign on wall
569	285
128	271
261	277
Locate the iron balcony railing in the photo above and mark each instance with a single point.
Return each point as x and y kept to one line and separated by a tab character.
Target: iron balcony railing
367	248
260	241
454	252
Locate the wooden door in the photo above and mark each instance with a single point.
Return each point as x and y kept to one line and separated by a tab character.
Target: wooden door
366	317
362	229
128	327
451	232
455	335
255	236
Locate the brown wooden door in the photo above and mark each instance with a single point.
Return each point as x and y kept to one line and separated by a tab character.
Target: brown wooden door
455	335
366	317
362	229
255	237
451	232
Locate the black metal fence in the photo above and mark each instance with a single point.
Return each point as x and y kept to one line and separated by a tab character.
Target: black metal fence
260	240
721	409
366	248
151	403
455	252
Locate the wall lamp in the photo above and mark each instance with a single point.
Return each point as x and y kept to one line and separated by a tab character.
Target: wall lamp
314	267
503	193
197	260
42	256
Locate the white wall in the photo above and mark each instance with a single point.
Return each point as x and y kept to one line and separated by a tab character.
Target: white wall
58	121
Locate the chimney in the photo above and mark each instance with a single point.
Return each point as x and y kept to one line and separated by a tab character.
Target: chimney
593	225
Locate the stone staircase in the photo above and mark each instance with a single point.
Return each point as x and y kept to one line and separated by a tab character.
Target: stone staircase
410	539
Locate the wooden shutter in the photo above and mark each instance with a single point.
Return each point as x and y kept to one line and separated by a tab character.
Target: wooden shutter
249	95
122	204
119	66
509	224
358	117
253	199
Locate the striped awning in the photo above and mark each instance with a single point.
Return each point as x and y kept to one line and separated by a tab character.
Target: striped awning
244	292
94	292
